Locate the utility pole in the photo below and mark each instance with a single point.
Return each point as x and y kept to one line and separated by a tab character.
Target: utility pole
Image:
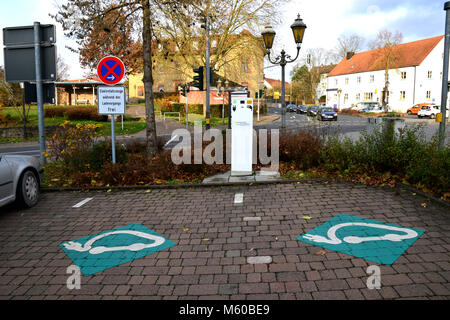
39	93
445	76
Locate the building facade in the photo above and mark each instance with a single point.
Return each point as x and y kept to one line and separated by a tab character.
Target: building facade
243	64
415	76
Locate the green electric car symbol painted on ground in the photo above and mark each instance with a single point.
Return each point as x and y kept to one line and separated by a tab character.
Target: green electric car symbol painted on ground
111	248
364	238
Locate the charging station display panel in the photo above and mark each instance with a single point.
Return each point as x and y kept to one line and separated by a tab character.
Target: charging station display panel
241	135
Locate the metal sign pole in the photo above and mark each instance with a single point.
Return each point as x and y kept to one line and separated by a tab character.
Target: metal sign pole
445	76
39	93
113	140
208	78
187	109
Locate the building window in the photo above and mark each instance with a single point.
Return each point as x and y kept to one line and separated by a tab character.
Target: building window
346	98
372	78
368	96
346	80
358	97
336	81
358	80
244	65
403	75
402	95
430	74
140	92
428	95
214	43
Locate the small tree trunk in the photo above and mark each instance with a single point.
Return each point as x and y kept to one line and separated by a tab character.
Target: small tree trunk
152	148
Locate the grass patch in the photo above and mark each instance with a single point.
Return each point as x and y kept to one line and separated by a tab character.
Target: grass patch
198	117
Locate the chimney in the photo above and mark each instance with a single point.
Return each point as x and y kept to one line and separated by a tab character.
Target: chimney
350	55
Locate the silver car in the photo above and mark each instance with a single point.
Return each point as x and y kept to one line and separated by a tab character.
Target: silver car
20	179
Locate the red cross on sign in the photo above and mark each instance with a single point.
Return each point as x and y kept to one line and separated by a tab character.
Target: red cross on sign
111	70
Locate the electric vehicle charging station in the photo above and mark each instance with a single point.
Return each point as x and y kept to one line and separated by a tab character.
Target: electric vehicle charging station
241	134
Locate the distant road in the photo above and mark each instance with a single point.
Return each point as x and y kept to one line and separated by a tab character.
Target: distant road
19	149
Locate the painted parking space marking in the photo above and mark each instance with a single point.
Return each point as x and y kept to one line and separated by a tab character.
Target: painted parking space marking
259	260
251	219
371	240
82	203
93	254
238	198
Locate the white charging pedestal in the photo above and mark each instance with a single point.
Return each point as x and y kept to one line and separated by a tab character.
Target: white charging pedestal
241	134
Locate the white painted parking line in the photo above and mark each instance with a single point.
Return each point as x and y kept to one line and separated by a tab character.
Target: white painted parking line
259	260
238	198
252	219
82	203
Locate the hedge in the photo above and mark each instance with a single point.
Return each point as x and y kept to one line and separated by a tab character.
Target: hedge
76	113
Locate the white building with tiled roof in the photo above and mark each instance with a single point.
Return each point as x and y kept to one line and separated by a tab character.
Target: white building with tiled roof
416	76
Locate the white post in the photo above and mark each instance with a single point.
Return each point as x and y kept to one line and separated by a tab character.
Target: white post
258	106
113	140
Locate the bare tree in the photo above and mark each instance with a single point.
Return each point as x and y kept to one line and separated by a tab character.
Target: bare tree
388	56
306	75
182	39
80	17
348	43
62	69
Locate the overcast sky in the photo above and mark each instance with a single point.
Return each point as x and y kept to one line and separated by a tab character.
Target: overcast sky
325	19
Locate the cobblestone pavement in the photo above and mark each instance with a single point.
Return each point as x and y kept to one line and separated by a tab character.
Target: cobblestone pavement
215	237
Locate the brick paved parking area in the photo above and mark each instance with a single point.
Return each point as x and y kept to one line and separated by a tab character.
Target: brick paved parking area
215	237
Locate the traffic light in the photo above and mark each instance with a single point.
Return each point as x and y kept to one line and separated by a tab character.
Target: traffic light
183	90
188	88
198	79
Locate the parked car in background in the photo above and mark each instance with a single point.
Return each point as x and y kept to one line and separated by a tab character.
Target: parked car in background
302	109
373	109
416	108
291	108
312	111
430	111
20	179
326	113
365	105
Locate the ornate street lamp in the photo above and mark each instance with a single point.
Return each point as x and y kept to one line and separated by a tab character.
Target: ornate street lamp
298	29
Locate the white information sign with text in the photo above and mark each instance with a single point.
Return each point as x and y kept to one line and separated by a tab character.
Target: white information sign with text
111	100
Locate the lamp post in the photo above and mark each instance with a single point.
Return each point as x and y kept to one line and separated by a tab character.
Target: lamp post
298	28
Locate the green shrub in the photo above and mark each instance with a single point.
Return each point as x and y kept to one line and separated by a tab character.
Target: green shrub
58	112
101	153
301	148
81	113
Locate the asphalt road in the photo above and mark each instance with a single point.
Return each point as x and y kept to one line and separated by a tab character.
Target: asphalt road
346	124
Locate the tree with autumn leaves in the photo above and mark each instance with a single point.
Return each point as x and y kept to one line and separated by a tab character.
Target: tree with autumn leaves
129	29
106	27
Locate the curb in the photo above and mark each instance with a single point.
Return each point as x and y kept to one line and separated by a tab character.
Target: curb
183	186
236	184
426	195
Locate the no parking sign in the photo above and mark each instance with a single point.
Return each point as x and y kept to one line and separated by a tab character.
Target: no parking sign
111	70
